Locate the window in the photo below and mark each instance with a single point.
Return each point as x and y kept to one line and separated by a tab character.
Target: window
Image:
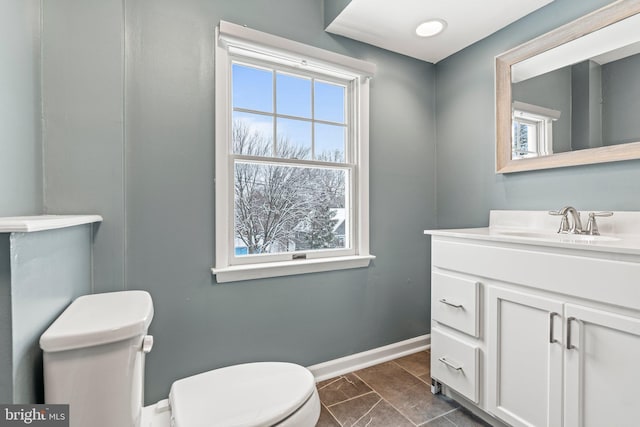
532	131
298	203
291	157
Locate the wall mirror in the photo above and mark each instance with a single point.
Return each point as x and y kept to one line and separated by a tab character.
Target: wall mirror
572	96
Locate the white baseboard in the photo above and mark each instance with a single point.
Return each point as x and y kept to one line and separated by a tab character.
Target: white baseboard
354	362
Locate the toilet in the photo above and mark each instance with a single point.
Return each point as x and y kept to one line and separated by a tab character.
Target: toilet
94	361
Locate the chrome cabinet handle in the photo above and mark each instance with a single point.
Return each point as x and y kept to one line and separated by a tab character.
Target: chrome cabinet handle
449	364
450	304
551	338
569	345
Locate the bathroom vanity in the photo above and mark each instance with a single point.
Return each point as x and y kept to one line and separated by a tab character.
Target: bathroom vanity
538	328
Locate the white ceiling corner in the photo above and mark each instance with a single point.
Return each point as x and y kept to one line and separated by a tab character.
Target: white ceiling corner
391	24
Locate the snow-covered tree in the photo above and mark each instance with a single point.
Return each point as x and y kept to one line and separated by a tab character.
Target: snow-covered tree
281	207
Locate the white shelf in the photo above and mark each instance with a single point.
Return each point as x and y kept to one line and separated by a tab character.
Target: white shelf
28	224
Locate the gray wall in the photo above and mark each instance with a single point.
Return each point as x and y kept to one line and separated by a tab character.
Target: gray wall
586	105
620	93
130	135
6	372
82	99
20	143
467	185
40	274
49	269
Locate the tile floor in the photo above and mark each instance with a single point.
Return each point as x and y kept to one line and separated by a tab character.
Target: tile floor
391	394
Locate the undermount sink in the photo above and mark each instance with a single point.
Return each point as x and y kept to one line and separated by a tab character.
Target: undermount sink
556	236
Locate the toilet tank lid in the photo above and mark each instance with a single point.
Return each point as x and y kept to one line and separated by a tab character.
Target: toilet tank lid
98	319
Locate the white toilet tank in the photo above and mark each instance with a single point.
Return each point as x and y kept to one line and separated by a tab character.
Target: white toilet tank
94	358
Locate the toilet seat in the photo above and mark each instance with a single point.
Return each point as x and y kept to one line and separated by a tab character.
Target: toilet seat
248	395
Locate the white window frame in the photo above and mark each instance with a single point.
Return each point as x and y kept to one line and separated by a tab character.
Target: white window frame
348	166
233	43
540	117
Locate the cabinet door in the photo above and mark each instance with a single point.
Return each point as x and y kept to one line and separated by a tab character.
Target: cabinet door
602	362
524	358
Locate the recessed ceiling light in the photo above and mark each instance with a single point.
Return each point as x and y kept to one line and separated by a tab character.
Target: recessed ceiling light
431	28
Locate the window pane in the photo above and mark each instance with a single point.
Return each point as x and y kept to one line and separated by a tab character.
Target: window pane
294	139
328	102
524	139
252	134
284	209
329	142
293	95
252	88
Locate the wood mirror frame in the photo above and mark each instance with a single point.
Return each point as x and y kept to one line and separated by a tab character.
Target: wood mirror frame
594	21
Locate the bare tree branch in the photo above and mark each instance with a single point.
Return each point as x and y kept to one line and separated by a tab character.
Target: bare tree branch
275	203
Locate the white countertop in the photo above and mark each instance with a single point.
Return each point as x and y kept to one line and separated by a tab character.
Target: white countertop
619	233
28	224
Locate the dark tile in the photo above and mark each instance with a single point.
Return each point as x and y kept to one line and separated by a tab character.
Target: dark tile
325	382
417	364
464	418
409	395
426	378
326	419
349	412
439	422
369	410
343	388
383	415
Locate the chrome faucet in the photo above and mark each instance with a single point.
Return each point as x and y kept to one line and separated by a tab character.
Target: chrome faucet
592	226
576	223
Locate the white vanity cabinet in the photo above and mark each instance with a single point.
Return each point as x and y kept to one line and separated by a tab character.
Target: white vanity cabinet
538	334
542	352
602	369
455	353
524	358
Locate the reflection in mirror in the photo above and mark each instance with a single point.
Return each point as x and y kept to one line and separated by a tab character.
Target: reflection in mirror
572	96
588	104
533	129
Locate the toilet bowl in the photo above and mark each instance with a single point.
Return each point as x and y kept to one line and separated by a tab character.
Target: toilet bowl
94	353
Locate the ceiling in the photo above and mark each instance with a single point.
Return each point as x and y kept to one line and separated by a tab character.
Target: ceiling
391	24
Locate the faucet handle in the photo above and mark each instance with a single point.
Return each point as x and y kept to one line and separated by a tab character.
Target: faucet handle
564	222
564	225
592	226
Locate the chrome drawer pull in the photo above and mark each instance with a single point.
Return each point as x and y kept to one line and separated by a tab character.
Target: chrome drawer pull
450	304
551	338
569	345
449	364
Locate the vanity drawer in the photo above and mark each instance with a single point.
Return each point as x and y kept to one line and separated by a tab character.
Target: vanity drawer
455	301
455	363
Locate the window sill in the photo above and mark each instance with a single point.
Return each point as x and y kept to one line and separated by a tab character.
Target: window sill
287	268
